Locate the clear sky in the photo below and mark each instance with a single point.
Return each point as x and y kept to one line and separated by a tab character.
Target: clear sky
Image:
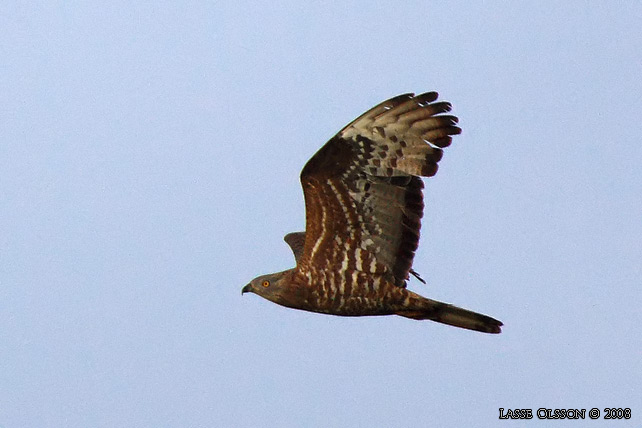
149	167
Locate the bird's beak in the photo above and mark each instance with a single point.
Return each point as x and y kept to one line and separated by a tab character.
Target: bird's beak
246	289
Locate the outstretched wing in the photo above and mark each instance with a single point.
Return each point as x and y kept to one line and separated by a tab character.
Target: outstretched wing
363	194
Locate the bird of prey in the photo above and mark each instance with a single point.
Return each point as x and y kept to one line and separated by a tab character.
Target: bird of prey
364	204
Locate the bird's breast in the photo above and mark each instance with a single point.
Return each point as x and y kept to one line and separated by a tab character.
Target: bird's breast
352	295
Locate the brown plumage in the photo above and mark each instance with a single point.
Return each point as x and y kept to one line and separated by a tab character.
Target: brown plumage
364	204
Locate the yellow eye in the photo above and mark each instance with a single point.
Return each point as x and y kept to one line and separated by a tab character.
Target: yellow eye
266	283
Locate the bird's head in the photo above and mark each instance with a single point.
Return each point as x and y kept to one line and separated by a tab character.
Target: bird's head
271	287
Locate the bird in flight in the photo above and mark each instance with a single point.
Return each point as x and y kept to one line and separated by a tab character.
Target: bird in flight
363	205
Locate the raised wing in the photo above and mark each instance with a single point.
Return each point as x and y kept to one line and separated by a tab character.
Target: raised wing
363	194
296	241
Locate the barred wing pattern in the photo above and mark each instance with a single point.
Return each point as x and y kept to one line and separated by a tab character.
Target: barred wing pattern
363	196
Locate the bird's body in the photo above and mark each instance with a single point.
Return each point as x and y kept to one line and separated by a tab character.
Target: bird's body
364	203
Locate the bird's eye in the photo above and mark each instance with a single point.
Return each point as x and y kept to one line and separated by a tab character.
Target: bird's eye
266	283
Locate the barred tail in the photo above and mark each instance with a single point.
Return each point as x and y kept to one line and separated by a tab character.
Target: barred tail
426	309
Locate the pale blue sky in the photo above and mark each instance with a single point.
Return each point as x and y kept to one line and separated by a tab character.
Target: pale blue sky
149	163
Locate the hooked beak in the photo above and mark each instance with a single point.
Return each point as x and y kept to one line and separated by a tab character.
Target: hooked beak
246	289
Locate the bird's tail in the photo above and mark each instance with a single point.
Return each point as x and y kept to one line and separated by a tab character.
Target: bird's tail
421	308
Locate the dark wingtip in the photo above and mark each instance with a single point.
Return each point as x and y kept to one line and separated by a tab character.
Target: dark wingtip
427	97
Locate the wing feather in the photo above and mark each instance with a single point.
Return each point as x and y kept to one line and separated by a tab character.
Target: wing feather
363	191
